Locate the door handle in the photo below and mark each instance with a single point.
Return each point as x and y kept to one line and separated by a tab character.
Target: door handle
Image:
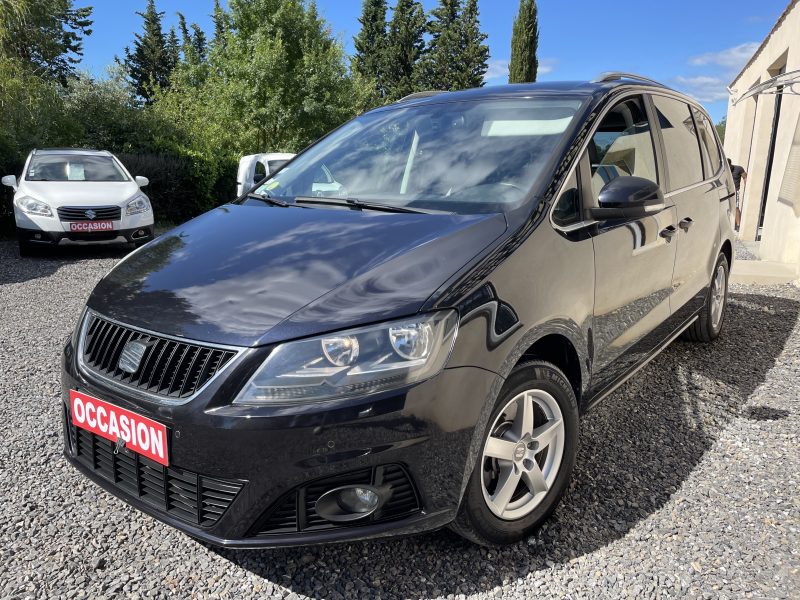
668	233
685	223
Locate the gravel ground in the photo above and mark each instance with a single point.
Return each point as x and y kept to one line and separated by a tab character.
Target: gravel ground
742	252
686	483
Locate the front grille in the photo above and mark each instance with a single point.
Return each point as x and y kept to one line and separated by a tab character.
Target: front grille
185	495
78	213
168	368
295	512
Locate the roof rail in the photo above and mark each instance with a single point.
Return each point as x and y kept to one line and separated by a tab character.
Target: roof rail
617	75
425	94
73	148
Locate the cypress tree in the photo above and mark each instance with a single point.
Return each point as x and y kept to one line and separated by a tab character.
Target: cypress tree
173	48
370	44
221	25
148	64
199	42
524	44
404	48
440	68
474	53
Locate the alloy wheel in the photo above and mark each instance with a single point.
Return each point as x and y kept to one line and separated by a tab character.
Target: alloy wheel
522	454
718	288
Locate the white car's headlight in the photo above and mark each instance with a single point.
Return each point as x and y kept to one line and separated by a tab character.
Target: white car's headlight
356	362
32	206
138	205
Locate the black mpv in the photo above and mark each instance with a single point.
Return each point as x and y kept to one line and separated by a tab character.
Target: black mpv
400	329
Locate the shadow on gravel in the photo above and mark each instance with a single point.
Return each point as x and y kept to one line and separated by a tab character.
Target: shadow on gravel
637	448
14	269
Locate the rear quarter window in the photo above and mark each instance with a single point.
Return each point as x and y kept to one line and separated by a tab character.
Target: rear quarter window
708	143
684	163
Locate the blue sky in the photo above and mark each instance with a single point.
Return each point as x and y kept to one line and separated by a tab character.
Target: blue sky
695	46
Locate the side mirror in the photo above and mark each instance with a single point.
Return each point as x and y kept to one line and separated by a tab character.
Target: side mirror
141	181
628	198
10	181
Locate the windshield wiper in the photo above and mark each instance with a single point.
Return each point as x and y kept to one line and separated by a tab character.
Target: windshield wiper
268	199
357	204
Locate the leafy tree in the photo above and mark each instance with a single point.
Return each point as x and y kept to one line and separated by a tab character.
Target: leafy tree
524	44
44	35
279	82
721	128
474	53
149	64
438	68
404	47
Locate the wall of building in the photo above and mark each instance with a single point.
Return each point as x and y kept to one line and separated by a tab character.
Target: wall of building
747	141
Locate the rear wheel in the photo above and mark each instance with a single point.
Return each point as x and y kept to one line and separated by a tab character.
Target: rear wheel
709	324
526	459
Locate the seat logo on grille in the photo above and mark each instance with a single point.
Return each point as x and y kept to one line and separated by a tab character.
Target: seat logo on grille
90	214
131	357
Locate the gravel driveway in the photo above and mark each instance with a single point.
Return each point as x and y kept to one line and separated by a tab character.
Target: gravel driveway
686	483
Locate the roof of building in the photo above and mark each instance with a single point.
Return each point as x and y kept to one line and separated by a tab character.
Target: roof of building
763	44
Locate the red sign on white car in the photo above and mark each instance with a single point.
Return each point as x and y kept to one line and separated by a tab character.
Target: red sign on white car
91	226
141	435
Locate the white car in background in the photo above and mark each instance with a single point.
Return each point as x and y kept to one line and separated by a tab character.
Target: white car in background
82	196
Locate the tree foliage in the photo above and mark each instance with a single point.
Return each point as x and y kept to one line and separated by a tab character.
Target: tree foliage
474	52
405	44
46	36
369	60
524	63
149	64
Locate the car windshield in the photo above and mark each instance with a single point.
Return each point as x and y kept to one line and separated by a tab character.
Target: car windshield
464	157
74	167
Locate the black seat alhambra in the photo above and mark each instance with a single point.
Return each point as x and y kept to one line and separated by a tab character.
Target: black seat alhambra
401	329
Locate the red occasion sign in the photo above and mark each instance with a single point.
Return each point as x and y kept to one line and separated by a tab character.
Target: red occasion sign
140	434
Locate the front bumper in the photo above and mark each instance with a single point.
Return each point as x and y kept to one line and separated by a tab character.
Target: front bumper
52	231
278	455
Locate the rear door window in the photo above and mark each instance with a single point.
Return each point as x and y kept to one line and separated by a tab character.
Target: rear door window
708	143
682	150
622	146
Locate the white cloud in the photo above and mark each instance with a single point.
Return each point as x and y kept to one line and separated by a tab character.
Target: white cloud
730	58
498	68
705	88
547	65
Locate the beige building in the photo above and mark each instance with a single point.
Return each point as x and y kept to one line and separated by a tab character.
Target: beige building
763	136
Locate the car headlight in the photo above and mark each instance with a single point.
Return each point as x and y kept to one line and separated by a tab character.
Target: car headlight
359	361
138	205
32	206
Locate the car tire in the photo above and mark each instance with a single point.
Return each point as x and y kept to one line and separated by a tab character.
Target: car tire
708	325
26	249
544	471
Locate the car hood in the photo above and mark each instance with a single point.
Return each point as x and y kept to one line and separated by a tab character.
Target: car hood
79	193
249	275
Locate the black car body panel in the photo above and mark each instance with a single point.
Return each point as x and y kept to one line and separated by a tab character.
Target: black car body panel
597	298
311	271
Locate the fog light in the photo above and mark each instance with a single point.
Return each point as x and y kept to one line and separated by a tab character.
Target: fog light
357	500
350	503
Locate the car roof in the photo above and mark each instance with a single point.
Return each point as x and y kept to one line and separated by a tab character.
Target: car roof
89	151
597	88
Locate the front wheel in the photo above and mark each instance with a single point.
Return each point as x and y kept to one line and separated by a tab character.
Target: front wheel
708	325
526	459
